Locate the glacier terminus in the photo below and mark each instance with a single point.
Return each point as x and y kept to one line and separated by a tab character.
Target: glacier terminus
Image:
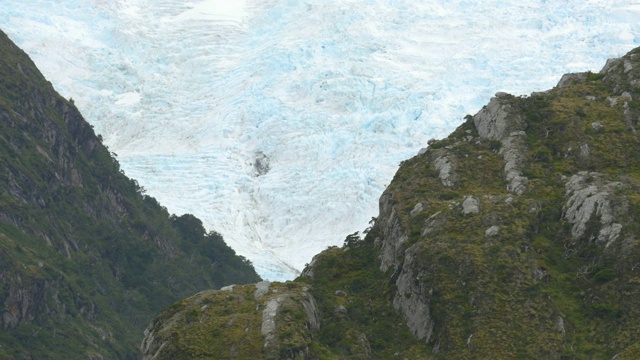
280	122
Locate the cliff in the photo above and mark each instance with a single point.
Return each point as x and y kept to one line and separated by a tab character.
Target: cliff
514	237
86	258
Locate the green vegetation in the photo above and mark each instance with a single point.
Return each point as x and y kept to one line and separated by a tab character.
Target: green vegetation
227	324
531	288
86	259
531	291
355	300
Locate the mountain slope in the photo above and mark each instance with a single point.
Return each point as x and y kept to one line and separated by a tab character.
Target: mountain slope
332	94
86	258
514	237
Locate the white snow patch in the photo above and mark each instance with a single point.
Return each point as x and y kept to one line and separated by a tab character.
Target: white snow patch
217	10
128	99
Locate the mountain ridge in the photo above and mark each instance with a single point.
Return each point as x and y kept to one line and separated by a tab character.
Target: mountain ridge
514	237
86	257
353	87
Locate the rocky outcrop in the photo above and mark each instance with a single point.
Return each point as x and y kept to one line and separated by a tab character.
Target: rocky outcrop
500	121
261	164
393	237
24	301
571	79
591	203
265	320
417	209
271	329
268	328
623	74
595	209
444	166
412	298
262	289
513	151
470	205
433	224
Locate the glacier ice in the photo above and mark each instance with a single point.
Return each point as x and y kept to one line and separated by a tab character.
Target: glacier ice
332	93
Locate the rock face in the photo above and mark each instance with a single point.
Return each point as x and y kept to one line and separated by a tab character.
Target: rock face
412	299
86	259
500	121
281	323
445	168
262	288
470	205
591	199
391	251
261	164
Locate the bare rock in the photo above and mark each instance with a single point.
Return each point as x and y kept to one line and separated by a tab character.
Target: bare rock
589	195
445	167
513	152
412	299
628	66
610	65
470	205
262	288
540	274
268	328
391	243
417	209
492	231
570	79
309	269
560	325
585	151
312	311
497	120
261	164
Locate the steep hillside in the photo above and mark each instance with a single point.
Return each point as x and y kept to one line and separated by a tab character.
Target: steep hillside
515	237
86	259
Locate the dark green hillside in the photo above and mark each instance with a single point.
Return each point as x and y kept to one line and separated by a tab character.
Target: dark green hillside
86	259
516	237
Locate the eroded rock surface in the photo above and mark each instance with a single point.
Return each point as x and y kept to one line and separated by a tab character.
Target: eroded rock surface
499	121
590	199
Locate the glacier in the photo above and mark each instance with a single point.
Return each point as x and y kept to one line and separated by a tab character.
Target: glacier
278	122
